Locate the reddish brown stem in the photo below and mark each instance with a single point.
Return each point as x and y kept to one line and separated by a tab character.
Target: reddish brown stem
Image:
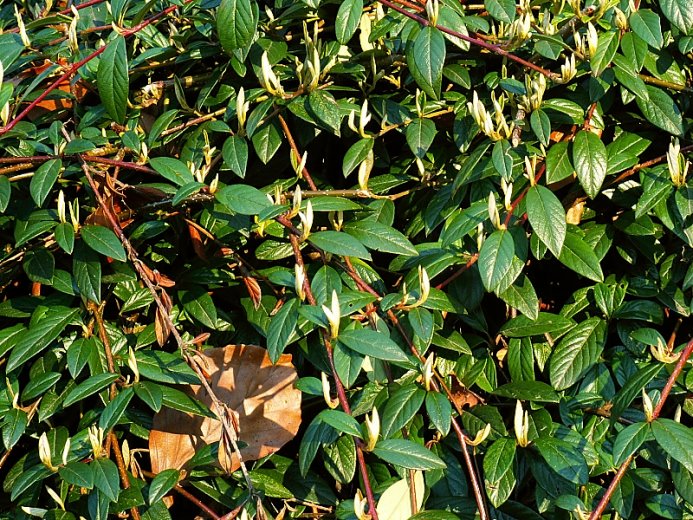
199	503
122	470
606	498
296	152
120	164
341	393
522	195
496	49
459	272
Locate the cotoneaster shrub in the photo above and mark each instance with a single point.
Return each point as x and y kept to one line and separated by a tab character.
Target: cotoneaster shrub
467	226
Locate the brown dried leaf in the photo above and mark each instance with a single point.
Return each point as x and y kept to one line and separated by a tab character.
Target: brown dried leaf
260	393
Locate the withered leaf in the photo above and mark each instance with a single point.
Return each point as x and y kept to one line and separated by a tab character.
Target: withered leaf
263	396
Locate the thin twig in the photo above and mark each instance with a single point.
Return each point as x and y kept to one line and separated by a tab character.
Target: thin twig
296	152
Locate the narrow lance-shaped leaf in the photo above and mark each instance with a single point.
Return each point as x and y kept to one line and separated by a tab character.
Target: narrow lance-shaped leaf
427	60
112	79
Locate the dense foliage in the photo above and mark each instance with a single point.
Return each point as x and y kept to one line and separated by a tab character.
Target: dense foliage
469	225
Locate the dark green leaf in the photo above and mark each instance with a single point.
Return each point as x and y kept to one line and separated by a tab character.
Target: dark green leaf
629	440
235	152
499	476
528	391
199	304
495	258
400	408
337	243
162	484
104	241
661	111
347	20
675	439
172	170
106	478
590	158
236	24
281	328
243	199
380	237
428	58
563	458
577	352
547	217
112	79
407	454
580	257
501	10
341	421
371	343
43	180
90	386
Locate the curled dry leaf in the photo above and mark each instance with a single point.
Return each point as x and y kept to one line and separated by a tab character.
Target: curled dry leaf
263	396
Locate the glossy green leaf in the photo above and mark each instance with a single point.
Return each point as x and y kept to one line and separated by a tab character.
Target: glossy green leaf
499	477
173	170
341	421
356	154
501	10
281	328
679	13
104	241
106	477
237	22
564	459
528	391
347	21
112	79
580	257
590	159
629	440
547	217
495	258
675	439
342	244
577	351
427	60
43	180
161	484
662	111
407	454
545	323
439	410
89	387
198	303
420	134
400	408
235	152
380	237
371	343
13	426
243	199
645	23
5	193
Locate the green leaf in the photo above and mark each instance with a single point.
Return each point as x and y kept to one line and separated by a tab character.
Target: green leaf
577	352
236	24
267	140
420	134
78	474
629	440
541	126
528	391
427	60
112	79
150	393
324	108
580	257
499	476
661	111
243	199
407	454
40	334
5	192
172	170
341	421
186	191
501	10
380	237
607	46
675	439
115	409
679	13
563	458
164	367
199	304
371	343
43	180
590	159
547	217
439	411
347	21
400	408
162	484
632	388
106	478
356	154
546	323
502	159
235	153
340	459
558	164
13	427
88	387
522	296
337	243
646	24
104	241
65	237
281	328
39	266
495	258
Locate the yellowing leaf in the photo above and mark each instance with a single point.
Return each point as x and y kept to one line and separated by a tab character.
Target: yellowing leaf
395	502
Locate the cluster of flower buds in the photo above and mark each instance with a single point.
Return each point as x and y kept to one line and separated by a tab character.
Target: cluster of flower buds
678	164
568	69
497	127
45	455
333	314
310	71
535	87
432	11
364	119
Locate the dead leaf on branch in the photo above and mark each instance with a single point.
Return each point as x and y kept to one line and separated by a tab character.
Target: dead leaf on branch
263	396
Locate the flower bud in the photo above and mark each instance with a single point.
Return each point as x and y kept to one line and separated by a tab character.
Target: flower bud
300	281
521	424
480	436
332	403
44	450
372	429
333	314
